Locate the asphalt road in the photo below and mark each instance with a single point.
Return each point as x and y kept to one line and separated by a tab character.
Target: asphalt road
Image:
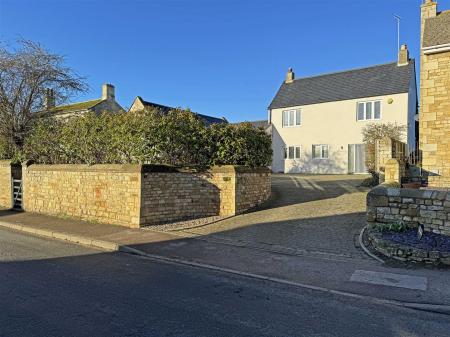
50	288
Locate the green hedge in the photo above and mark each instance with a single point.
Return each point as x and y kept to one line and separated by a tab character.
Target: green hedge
178	138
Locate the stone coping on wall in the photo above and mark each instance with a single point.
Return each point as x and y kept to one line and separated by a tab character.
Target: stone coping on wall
393	191
137	168
86	168
405	253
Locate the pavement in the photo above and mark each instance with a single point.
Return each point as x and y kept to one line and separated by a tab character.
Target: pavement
50	288
305	236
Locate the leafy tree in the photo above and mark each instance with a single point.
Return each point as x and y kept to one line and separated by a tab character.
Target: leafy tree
25	74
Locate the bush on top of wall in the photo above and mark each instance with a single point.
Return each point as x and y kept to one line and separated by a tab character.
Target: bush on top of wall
178	138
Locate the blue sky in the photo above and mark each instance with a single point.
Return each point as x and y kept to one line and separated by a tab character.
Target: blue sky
224	57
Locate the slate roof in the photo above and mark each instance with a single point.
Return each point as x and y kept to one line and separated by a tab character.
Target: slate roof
257	124
380	80
72	107
165	109
437	30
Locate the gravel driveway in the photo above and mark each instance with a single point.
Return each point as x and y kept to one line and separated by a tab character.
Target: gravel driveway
319	214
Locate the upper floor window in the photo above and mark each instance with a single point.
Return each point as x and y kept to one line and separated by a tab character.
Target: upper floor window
367	111
320	151
292	152
291	118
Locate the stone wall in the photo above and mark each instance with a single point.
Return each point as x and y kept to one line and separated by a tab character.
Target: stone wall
224	190
393	172
5	184
435	118
253	187
135	195
410	206
103	193
387	149
175	196
434	124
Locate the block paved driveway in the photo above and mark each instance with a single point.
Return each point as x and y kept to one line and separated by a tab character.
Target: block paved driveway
307	214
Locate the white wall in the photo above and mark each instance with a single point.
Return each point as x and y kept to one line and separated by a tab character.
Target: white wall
332	123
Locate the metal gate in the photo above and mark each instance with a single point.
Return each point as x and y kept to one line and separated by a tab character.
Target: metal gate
17	187
17	194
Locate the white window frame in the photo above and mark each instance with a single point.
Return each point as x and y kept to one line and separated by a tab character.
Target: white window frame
365	103
296	118
286	152
322	146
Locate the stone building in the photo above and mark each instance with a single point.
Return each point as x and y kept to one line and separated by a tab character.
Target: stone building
434	124
107	103
140	104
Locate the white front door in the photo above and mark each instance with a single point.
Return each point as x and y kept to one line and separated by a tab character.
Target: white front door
357	158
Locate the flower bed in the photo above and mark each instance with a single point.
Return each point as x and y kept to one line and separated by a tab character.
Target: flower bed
405	246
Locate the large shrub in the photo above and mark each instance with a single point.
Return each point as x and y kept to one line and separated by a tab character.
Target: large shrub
178	138
240	144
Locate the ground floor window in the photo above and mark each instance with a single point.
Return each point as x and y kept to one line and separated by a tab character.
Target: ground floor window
320	151
292	152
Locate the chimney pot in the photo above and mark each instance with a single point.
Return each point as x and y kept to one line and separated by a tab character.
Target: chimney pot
290	76
108	92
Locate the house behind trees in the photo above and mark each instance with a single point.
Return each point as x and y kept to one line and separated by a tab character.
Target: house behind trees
107	103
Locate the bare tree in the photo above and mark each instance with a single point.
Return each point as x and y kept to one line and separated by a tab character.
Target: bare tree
376	131
26	74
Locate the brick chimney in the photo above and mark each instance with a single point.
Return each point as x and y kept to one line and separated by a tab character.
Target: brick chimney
49	99
403	56
428	10
290	76
108	92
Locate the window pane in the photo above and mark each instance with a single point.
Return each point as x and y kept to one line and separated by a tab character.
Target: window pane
377	110
291	118
324	151
285	120
360	111
297	152
297	117
291	152
369	110
316	151
285	153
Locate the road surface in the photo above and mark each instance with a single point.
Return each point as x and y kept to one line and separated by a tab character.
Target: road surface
50	288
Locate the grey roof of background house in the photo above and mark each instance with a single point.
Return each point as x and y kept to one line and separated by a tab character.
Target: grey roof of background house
380	80
165	109
257	124
437	30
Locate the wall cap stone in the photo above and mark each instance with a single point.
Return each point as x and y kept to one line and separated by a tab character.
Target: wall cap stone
86	168
384	190
136	168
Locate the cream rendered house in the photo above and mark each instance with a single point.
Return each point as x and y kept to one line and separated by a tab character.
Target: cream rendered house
317	121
